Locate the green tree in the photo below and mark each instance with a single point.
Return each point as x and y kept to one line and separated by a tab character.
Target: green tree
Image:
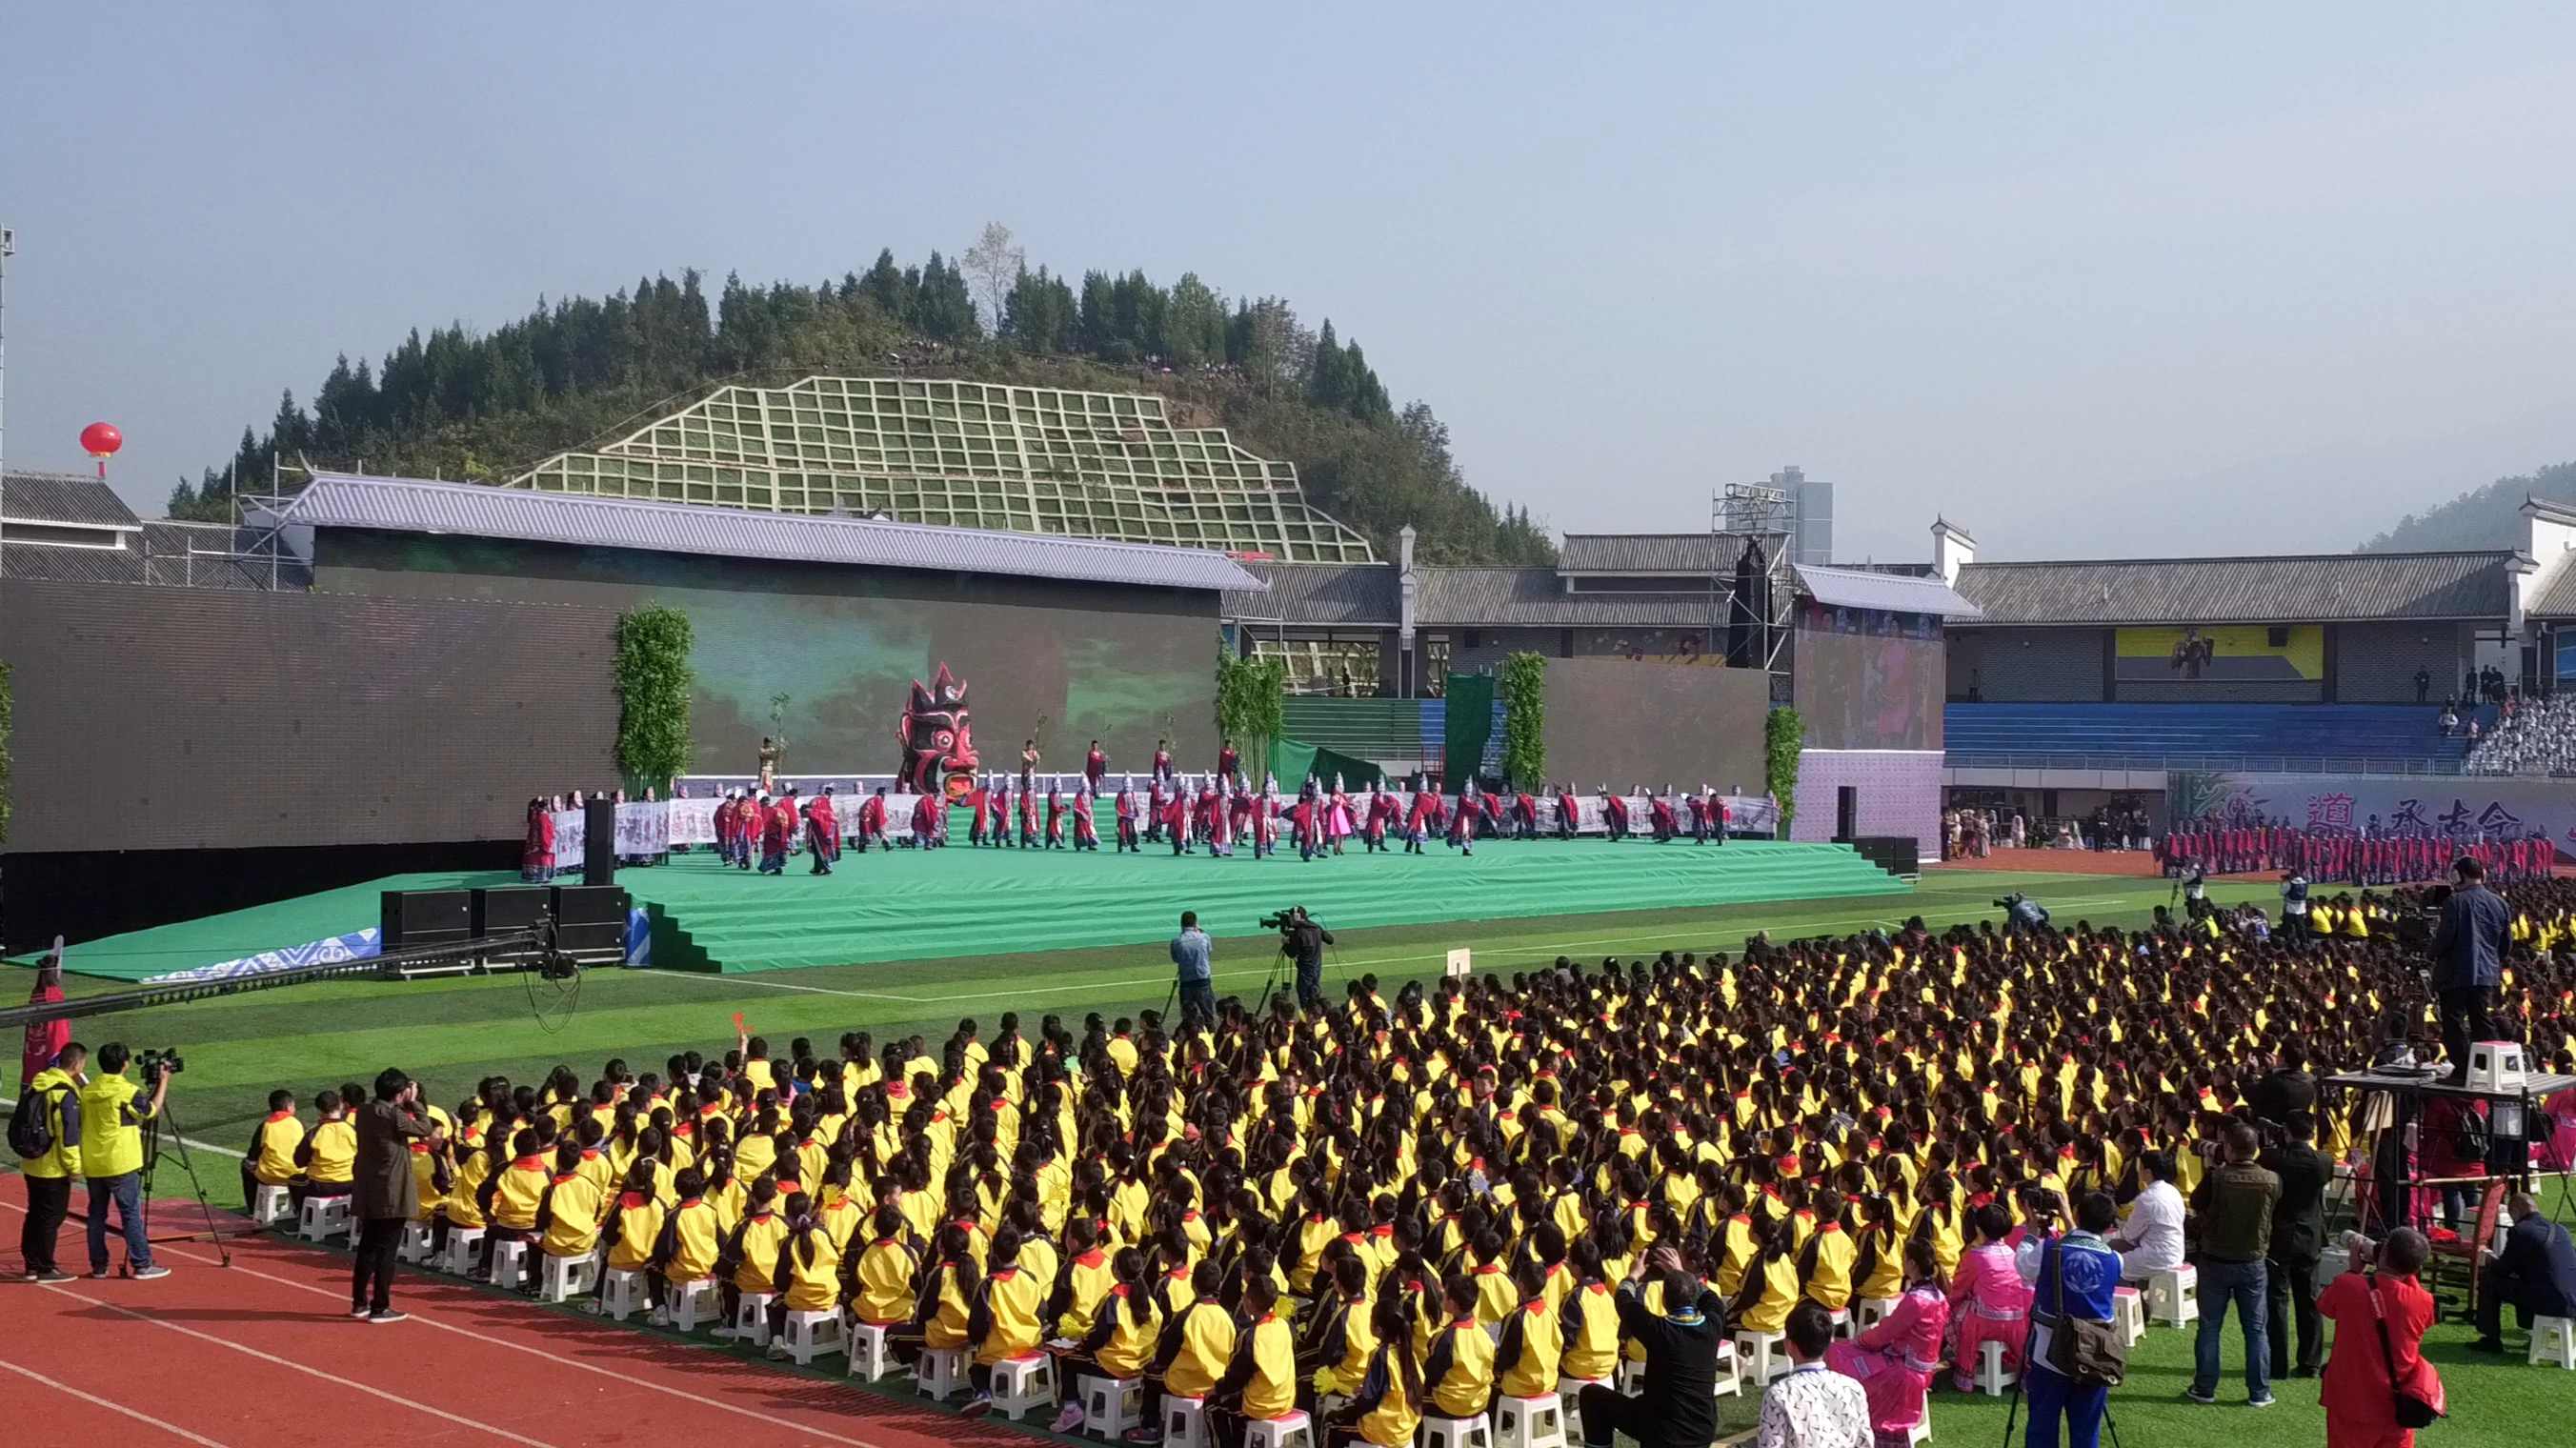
1784	734
1252	703
653	679
1522	683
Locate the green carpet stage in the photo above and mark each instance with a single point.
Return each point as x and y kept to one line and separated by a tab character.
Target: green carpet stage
968	902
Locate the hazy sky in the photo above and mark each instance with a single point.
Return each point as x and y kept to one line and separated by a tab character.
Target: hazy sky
1993	263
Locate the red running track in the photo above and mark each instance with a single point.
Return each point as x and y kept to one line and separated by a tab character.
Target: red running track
265	1354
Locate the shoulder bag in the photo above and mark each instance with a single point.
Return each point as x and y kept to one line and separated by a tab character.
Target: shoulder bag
2081	1350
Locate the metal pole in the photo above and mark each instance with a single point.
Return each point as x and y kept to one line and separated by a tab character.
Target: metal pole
8	249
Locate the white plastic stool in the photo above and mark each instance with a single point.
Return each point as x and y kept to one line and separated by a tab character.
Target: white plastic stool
623	1294
750	1319
560	1279
809	1335
1022	1383
1730	1372
1767	1360
2553	1340
1111	1406
1184	1422
271	1204
510	1264
2173	1298
693	1302
415	1242
2129	1314
1630	1377
1527	1422
867	1352
464	1247
943	1372
1869	1312
323	1217
1291	1429
1841	1318
1452	1433
1921	1432
1569	1396
1992	1376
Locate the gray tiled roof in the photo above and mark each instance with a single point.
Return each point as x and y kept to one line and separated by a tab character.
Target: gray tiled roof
159	553
410	505
1646	553
1535	597
63	498
2324	588
1356	594
1894	592
2557	597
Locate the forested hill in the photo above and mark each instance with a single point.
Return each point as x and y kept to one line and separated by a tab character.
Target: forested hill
457	404
2488	517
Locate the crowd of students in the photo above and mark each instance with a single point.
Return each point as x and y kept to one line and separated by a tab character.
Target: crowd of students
2366	857
1404	1205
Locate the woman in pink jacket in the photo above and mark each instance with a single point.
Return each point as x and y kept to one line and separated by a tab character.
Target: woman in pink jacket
1894	1361
1988	1299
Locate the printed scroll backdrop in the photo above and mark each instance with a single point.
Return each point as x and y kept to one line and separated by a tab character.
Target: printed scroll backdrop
2461	805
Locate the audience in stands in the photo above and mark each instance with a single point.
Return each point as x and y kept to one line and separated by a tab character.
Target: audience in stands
2538	737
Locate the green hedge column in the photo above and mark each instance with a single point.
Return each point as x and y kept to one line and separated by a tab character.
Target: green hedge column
1783	735
653	679
1523	685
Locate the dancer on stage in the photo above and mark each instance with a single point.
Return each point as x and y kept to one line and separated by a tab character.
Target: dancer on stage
1162	761
822	832
1154	807
1029	757
929	820
1028	801
777	827
1614	813
1659	815
1229	765
1569	812
1086	834
1176	821
872	822
1095	767
1383	814
537	856
1417	821
1127	840
977	832
1338	824
1265	823
1055	818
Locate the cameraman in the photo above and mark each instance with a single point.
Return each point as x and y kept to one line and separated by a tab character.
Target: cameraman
2468	963
1304	940
111	1124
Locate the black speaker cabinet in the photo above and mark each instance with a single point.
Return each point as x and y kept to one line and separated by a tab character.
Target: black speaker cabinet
599	842
410	919
1846	811
590	921
510	908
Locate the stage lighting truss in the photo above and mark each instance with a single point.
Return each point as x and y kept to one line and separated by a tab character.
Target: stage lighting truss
966	455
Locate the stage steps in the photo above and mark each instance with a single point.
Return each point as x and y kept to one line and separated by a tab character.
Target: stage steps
961	901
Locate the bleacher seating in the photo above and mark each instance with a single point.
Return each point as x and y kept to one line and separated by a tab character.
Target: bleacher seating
2290	737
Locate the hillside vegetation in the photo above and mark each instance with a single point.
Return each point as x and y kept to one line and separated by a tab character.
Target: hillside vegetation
459	404
2488	517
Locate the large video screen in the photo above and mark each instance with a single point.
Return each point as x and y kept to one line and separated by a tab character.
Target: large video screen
2282	654
1869	679
1624	723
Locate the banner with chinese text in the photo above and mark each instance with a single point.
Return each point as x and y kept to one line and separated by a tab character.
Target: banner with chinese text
2462	806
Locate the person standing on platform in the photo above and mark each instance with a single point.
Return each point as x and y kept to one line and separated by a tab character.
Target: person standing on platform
1095	767
2468	962
1029	759
1229	765
1162	761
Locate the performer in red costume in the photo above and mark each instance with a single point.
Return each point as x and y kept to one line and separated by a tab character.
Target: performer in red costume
1127	840
1086	835
822	832
1095	766
872	822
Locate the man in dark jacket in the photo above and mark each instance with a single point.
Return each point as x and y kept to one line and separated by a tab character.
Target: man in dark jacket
387	1194
2298	1239
1679	1406
2468	963
2536	1273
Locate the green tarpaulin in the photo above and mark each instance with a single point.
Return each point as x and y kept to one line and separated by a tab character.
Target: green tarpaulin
1291	762
1470	726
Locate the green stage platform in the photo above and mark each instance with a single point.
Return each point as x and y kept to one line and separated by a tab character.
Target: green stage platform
968	902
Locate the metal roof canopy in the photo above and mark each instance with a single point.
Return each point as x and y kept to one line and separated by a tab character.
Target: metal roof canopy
2316	588
1892	592
413	505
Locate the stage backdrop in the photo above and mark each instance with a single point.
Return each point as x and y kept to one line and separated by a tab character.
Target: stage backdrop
193	718
1123	665
1625	723
2462	805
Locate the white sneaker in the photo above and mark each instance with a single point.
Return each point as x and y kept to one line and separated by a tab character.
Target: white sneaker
661	1317
1069	1419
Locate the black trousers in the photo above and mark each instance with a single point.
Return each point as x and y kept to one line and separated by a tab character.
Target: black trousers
371	1281
2467	1015
1607	1411
49	1202
2292	1284
2495	1295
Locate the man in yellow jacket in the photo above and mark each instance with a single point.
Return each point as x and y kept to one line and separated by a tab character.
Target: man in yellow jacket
49	1177
112	1111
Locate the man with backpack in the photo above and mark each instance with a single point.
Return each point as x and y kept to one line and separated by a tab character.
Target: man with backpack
45	1133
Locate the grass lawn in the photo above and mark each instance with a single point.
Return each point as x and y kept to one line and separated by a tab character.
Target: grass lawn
449	1032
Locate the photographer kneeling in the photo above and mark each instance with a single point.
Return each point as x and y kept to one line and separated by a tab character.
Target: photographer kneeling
112	1113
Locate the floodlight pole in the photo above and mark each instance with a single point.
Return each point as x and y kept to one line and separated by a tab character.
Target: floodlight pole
8	249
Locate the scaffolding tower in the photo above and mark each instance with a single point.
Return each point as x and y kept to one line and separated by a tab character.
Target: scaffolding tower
1752	589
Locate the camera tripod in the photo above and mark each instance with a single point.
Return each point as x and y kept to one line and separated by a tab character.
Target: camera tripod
187	1164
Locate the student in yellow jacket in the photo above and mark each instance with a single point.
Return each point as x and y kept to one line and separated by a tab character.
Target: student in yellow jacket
752	1252
691	1242
1122	1339
1344	1339
886	1268
270	1162
1195	1345
1528	1358
1008	1317
569	1213
631	1225
1260	1382
49	1177
1386	1412
807	1274
1460	1366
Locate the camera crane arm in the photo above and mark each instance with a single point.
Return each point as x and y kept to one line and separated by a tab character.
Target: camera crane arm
389	964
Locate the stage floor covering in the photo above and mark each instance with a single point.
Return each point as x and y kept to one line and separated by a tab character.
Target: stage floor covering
906	905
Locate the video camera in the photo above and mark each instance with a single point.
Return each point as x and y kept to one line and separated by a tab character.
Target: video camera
1282	919
154	1063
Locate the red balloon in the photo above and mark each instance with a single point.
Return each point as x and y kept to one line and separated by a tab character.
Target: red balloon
99	439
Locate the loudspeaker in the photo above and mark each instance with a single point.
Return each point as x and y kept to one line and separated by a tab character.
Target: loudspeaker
599	842
409	919
510	908
1846	811
1896	854
590	921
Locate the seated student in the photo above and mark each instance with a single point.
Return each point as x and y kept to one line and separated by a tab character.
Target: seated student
751	1251
1770	1286
808	1271
631	1225
1989	1300
1343	1341
1496	1295
1591	1319
1122	1338
691	1244
1260	1381
1896	1358
944	1301
1196	1343
508	1196
1460	1365
886	1268
1386	1411
569	1212
1007	1321
270	1162
1825	1263
329	1156
1528	1358
1084	1277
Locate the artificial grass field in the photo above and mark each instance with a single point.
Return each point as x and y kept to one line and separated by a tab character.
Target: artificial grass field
449	1032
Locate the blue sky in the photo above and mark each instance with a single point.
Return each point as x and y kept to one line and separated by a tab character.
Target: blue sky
2008	263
